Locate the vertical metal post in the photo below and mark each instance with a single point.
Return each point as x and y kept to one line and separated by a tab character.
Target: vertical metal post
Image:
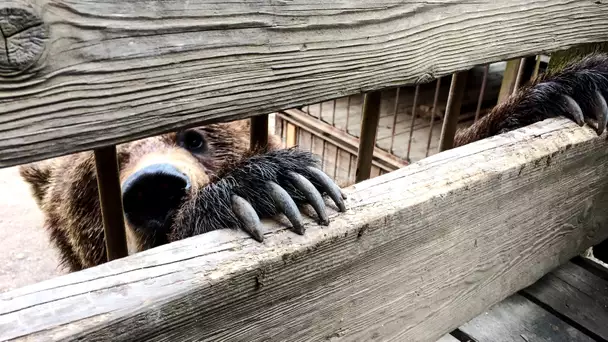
433	112
413	123
110	199
536	67
336	162
482	91
394	130
323	143
333	114
347	114
367	137
258	132
452	112
520	75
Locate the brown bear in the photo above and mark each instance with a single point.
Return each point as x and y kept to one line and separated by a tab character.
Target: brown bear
197	180
178	185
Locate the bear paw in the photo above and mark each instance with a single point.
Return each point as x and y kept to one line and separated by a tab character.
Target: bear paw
286	205
597	114
578	92
260	186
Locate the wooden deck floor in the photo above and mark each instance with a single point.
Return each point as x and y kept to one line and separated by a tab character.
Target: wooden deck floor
345	113
568	304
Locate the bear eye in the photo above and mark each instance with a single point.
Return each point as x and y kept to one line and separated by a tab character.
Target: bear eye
192	140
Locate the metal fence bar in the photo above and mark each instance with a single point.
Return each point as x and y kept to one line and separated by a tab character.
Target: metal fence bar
452	111
258	132
520	71
110	200
347	113
436	98
414	105
390	149
367	137
482	91
333	114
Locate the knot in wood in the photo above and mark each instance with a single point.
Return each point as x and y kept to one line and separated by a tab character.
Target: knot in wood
22	37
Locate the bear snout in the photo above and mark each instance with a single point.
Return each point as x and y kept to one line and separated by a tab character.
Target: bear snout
151	196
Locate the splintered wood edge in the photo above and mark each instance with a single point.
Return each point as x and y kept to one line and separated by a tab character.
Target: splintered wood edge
139	71
440	240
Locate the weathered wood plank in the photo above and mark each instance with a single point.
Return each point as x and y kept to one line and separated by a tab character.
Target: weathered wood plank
592	265
576	294
448	338
113	71
516	319
393	267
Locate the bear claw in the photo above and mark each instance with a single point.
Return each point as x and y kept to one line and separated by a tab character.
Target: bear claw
575	110
601	112
287	206
261	187
251	221
311	194
332	189
599	115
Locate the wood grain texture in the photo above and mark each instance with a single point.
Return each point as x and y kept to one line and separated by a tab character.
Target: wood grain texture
516	319
448	338
578	295
22	36
419	252
114	71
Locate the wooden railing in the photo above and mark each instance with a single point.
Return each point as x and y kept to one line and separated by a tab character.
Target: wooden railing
420	250
110	72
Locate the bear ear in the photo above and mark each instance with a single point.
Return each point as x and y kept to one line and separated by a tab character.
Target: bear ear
38	176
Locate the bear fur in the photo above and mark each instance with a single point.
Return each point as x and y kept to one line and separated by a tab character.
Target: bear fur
65	188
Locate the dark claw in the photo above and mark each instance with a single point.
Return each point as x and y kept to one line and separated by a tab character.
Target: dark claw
286	204
245	212
601	112
332	189
575	110
312	195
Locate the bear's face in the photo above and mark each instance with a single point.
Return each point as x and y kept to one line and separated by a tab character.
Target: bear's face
157	175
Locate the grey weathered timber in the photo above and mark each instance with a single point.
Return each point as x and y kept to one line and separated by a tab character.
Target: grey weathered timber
23	36
448	338
516	319
578	295
113	71
419	252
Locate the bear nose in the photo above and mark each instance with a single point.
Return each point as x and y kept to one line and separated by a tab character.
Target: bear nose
152	194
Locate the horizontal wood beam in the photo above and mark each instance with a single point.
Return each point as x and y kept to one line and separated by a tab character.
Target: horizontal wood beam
100	73
337	137
419	252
